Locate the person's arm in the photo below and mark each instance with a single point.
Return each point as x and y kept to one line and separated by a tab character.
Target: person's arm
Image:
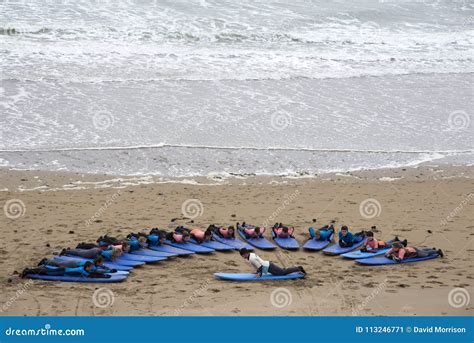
401	254
98	275
104	269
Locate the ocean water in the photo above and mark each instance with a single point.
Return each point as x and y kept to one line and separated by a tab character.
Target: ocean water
188	88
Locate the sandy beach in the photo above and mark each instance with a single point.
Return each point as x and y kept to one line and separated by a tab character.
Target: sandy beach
429	206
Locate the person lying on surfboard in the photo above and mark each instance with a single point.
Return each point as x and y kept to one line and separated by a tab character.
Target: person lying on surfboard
179	236
323	234
348	239
372	244
110	243
283	231
97	264
108	255
251	231
156	236
223	232
136	243
133	242
201	236
264	267
85	270
399	252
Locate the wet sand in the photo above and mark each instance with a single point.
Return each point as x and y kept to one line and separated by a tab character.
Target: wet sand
430	206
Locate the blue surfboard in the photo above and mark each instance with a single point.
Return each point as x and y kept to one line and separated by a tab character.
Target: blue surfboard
316	245
118	272
261	243
336	249
69	278
382	260
214	245
289	243
360	254
170	249
190	246
233	242
150	252
141	258
253	277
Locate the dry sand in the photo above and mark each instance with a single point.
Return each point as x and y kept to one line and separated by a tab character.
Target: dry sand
413	203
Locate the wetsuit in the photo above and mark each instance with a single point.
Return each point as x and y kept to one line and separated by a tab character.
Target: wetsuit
350	239
80	271
91	253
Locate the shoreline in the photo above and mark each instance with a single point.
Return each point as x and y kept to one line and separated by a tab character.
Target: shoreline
43	180
427	205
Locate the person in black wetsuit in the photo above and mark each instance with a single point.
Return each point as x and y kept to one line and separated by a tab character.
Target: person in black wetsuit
86	271
98	264
264	267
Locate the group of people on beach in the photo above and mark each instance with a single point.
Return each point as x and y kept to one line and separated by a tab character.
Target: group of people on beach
108	248
399	250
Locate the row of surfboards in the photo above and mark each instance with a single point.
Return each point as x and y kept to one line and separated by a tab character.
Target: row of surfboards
152	254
